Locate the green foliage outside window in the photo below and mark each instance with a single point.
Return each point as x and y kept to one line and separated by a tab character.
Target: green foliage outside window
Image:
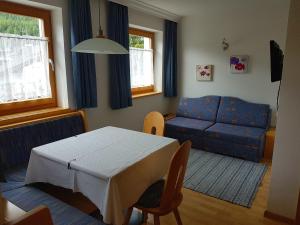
20	25
136	41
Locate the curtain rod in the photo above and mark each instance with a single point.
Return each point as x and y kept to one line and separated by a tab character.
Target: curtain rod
25	38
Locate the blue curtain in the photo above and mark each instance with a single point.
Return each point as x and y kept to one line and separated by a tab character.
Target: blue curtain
119	67
170	59
84	71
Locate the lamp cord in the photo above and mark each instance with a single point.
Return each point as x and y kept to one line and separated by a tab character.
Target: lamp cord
99	6
100	31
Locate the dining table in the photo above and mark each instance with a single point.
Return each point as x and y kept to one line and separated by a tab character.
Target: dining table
111	166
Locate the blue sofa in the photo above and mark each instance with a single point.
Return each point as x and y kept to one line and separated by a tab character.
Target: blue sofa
224	125
15	147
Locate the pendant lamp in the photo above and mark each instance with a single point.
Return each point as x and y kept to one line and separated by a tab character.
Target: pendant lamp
99	44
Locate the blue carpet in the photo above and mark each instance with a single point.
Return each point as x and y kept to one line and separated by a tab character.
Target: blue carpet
223	177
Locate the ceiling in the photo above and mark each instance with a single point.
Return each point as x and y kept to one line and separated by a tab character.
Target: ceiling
192	7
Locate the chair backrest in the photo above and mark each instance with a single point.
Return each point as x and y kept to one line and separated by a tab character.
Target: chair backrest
172	192
37	216
154	123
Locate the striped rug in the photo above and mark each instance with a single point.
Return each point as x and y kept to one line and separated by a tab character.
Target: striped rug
223	177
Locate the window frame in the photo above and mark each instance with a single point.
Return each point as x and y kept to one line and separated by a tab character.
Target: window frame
36	104
151	35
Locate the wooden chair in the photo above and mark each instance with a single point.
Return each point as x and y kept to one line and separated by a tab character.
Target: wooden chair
38	216
170	196
154	123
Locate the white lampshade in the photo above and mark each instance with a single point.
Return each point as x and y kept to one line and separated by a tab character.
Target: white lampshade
100	45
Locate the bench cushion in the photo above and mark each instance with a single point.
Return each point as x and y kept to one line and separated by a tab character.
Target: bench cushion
16	143
203	108
14	178
2	177
17	174
250	136
238	112
28	198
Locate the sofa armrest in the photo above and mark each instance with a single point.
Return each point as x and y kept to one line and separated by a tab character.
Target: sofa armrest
169	116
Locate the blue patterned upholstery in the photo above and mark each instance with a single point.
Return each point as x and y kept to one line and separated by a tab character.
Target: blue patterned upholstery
16	143
236	111
187	124
204	108
187	129
239	141
232	149
250	136
237	127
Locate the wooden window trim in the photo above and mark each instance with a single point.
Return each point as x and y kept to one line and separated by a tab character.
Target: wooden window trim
143	33
17	120
141	91
29	105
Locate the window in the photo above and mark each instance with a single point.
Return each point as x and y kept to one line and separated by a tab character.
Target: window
27	79
141	50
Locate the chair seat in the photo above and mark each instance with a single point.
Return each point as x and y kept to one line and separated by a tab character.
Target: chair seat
151	197
187	124
236	134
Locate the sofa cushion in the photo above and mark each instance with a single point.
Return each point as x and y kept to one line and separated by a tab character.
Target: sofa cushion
187	124
203	108
16	143
236	111
250	136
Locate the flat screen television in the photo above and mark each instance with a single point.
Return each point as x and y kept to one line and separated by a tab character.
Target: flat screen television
276	61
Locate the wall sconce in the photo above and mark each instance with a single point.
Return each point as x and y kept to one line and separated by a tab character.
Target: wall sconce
225	44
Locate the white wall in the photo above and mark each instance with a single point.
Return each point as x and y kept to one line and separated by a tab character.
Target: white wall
285	181
132	117
248	26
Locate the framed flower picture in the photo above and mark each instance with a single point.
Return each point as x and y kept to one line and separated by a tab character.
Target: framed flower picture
239	63
204	72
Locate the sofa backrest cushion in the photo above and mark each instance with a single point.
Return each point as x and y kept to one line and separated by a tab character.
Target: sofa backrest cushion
239	112
203	108
16	143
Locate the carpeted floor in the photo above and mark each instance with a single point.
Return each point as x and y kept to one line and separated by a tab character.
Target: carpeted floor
223	177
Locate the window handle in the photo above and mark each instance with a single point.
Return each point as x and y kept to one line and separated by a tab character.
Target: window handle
51	64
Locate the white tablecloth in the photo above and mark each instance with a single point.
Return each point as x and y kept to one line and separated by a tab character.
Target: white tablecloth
111	166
